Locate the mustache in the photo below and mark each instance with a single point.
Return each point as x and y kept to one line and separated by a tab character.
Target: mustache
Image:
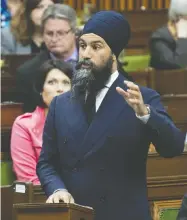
84	62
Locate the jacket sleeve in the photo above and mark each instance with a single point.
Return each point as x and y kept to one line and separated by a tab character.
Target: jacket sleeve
48	164
163	57
166	137
23	155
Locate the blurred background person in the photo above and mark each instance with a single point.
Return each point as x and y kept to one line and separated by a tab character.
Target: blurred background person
5	14
24	36
168	45
54	78
58	31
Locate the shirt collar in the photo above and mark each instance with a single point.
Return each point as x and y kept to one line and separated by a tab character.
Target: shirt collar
111	79
74	56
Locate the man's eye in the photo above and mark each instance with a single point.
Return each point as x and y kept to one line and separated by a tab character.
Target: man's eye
66	82
51	82
49	34
83	46
96	47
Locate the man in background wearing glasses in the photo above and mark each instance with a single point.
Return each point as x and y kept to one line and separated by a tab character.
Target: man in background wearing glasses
58	28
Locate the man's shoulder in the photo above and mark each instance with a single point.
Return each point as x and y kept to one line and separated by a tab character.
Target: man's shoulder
64	97
35	62
162	33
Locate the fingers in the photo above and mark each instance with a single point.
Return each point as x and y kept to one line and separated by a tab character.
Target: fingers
132	86
132	92
122	92
59	196
72	199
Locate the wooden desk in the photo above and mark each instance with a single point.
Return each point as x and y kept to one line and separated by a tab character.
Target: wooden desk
52	211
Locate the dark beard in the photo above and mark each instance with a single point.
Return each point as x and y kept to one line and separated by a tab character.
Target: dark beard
91	80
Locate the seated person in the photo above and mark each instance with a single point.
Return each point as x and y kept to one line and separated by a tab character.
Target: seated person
168	45
23	36
54	78
58	31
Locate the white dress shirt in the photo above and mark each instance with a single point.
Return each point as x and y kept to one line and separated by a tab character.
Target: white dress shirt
100	96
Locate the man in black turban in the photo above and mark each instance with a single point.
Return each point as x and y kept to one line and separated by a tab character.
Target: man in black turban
97	136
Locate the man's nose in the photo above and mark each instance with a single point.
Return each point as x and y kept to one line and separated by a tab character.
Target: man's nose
86	54
59	88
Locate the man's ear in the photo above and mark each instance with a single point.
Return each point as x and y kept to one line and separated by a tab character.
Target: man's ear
114	57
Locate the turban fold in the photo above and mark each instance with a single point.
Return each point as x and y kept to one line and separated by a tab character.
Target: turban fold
112	26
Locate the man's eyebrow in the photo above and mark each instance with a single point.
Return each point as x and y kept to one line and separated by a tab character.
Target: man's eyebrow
93	42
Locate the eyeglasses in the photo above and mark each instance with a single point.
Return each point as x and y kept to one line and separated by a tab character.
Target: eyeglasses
58	35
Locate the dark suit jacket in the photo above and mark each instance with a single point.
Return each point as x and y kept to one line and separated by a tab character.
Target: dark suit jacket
183	210
104	165
166	53
25	75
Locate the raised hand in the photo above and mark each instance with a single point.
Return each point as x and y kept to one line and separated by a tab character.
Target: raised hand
134	98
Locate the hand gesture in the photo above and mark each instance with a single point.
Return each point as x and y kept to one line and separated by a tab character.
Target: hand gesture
61	195
134	98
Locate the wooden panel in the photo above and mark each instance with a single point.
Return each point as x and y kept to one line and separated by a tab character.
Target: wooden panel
9	112
176	106
170	81
141	77
158	166
7	201
8	75
129	4
142	25
143	20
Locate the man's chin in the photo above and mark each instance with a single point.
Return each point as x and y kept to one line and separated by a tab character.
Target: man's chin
57	51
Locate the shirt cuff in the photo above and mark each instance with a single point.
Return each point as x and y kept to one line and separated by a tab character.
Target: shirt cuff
60	190
144	118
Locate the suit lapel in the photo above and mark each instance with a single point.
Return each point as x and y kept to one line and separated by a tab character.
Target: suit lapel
109	110
76	119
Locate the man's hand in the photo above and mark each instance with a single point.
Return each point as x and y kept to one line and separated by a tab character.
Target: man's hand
134	98
61	195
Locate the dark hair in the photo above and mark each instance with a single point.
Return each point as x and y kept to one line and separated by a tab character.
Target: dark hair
30	5
42	74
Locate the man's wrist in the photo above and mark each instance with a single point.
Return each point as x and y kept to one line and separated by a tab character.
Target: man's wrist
145	112
60	190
